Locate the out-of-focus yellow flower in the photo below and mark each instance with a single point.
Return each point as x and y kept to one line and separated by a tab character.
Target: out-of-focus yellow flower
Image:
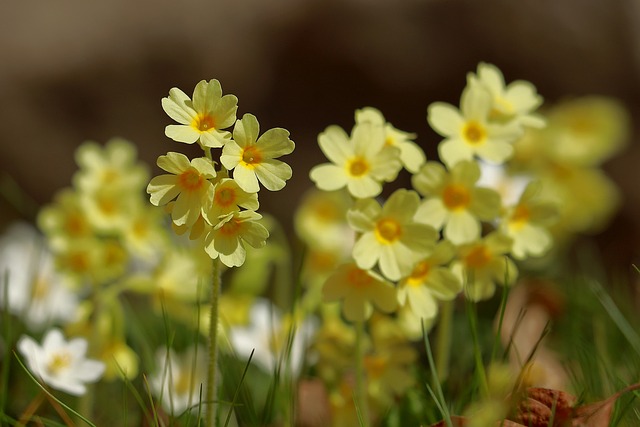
360	162
120	361
411	155
468	132
429	282
188	181
226	238
333	344
64	220
453	200
321	220
390	235
483	263
513	102
252	158
359	289
202	119
527	223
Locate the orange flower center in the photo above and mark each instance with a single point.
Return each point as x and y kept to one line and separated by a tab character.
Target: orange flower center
521	215
388	230
358	167
478	257
419	273
204	123
359	278
251	155
230	228
190	180
375	365
455	197
474	132
225	197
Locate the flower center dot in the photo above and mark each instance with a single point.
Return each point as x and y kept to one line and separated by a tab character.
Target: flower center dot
478	257
358	167
251	155
419	273
388	230
359	278
225	197
190	180
59	362
474	133
455	197
204	123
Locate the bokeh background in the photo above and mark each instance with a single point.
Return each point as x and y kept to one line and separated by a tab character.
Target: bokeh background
72	71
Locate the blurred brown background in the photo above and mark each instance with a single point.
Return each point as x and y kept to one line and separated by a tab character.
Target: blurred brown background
77	70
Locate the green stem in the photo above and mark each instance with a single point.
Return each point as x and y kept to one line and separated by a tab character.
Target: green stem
361	390
211	415
443	343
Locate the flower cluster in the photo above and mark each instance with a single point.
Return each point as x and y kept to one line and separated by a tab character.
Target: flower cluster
216	201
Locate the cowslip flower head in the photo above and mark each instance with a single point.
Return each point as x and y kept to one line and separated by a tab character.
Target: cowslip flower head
65	220
483	263
188	181
411	155
359	291
390	235
360	162
430	281
454	202
468	131
203	118
527	222
252	158
226	238
226	197
516	101
59	363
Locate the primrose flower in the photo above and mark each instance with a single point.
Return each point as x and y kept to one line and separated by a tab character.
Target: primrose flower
468	131
188	181
411	155
429	282
202	119
252	158
454	201
483	263
390	236
65	220
226	197
61	364
526	223
267	334
177	380
515	101
359	289
360	163
227	237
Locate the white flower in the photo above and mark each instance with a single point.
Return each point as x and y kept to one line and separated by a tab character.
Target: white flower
179	378
61	364
267	334
34	290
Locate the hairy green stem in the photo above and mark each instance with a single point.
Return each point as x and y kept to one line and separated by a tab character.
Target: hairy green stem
211	414
361	390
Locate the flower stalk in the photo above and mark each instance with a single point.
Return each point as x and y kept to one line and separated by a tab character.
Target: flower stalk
211	398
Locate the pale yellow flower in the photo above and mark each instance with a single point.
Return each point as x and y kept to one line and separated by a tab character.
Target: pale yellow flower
430	281
516	101
411	155
469	132
64	220
390	235
359	290
202	119
360	162
527	223
252	157
226	197
483	263
188	181
226	239
453	201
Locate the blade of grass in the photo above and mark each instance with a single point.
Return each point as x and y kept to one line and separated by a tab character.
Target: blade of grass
439	399
6	333
237	392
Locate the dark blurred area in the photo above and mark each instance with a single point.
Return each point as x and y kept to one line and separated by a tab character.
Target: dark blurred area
73	71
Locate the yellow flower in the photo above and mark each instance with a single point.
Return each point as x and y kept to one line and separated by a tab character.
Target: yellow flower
188	181
203	118
226	197
360	163
513	102
252	158
226	238
453	200
526	223
64	220
468	131
411	155
484	263
359	289
390	236
429	282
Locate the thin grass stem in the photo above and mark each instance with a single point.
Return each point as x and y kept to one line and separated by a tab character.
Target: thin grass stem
362	404
211	415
